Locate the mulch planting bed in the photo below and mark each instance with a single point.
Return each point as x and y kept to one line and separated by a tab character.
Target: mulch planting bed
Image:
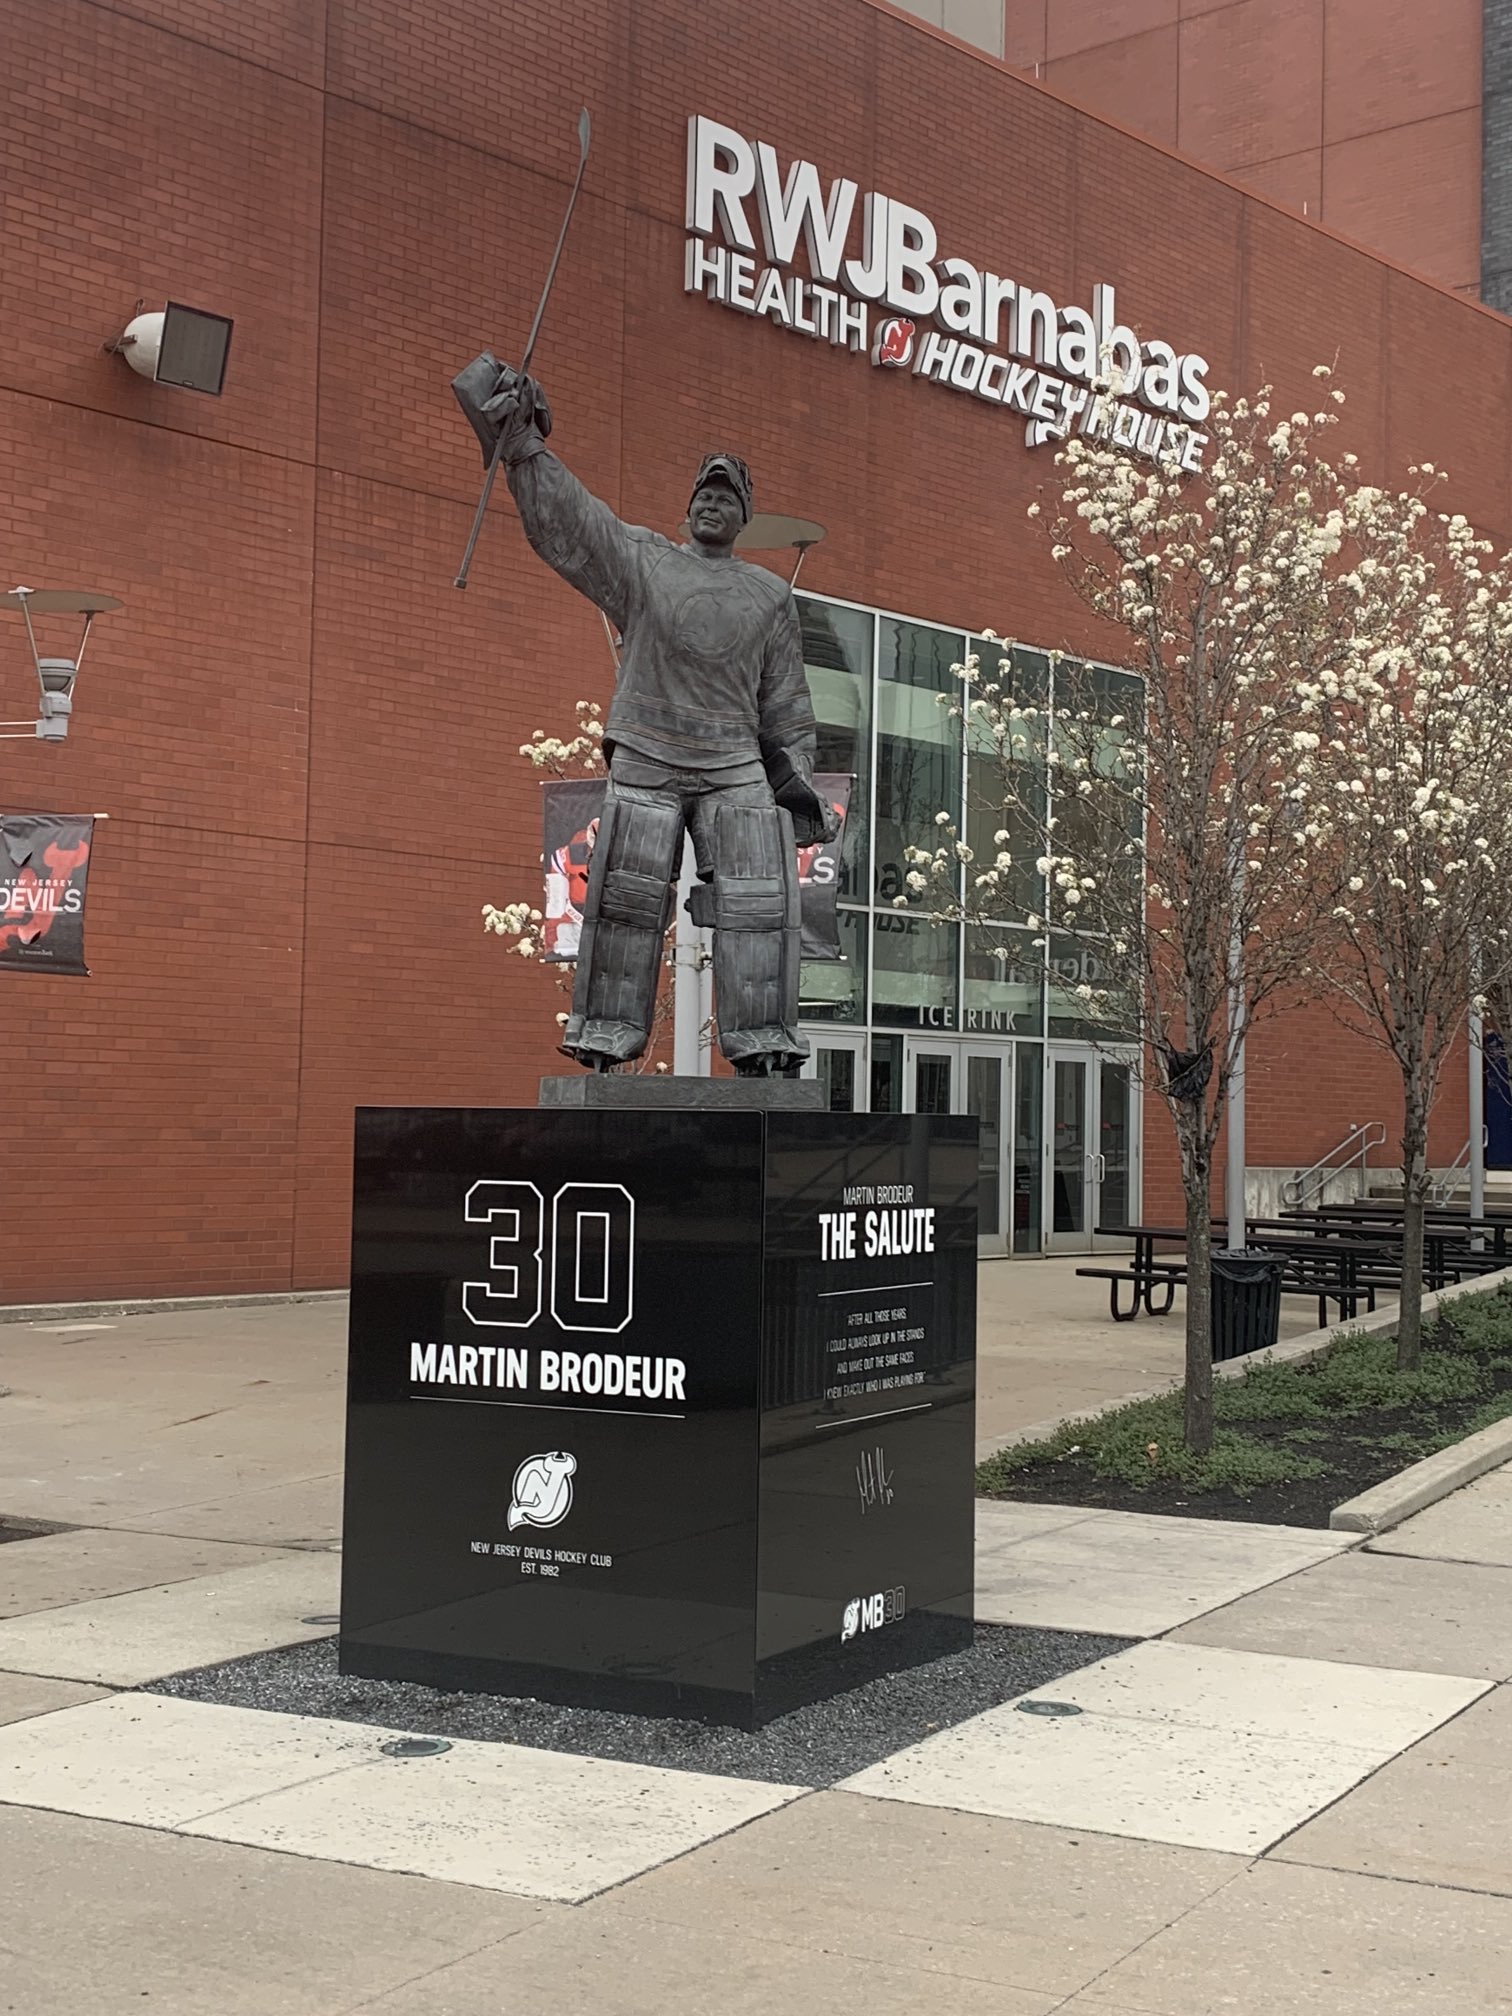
1292	1441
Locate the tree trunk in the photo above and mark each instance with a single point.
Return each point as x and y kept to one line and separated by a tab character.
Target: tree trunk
1197	1178
1414	1204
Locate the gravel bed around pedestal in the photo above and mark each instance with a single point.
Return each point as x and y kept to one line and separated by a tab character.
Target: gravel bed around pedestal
816	1746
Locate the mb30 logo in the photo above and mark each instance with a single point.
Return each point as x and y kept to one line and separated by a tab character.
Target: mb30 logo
870	1613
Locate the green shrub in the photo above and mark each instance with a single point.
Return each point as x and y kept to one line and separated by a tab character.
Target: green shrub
1467	1347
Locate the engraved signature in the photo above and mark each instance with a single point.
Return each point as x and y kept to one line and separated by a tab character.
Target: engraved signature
874	1480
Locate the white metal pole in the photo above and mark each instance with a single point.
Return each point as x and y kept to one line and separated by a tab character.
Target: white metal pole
1233	1181
1477	1102
704	939
685	977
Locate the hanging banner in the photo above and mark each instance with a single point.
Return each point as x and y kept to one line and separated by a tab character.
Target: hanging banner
571	808
819	877
44	865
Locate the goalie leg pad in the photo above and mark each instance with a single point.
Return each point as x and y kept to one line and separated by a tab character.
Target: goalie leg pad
625	913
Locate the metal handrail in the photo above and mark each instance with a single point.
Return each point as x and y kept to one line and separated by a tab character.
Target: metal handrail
1443	1189
1300	1191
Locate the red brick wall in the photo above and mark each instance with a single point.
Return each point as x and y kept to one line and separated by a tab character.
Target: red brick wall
305	737
1366	112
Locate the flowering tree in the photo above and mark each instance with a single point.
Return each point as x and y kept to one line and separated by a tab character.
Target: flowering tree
1415	769
1176	826
522	922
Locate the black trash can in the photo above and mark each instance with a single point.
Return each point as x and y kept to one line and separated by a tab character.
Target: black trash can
1246	1303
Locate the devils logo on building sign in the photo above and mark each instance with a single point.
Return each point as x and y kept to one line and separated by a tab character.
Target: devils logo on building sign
894	344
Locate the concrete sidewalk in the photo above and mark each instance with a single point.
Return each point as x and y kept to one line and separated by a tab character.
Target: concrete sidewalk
1286	1797
226	1424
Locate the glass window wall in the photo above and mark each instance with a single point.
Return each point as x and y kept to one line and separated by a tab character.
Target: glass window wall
882	690
837	656
918	744
834	990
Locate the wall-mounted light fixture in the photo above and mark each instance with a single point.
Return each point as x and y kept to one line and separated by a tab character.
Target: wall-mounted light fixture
186	347
55	676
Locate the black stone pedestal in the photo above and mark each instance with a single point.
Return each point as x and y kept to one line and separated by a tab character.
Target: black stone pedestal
667	1411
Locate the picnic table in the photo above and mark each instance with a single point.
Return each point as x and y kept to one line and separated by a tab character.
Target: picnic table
1447	1220
1333	1258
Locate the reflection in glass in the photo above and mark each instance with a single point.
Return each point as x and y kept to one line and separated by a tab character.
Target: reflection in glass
932	1081
837	656
834	990
1003	776
887	1074
918	744
1114	1140
984	1099
1101	1014
914	971
1099	828
1068	1146
1028	1106
1005	981
836	1072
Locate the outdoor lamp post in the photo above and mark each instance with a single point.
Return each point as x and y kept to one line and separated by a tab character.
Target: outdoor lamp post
55	676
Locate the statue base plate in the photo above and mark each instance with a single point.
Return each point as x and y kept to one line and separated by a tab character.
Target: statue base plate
600	1090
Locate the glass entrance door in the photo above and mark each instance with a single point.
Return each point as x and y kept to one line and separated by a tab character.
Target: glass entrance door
962	1077
1091	1149
839	1063
1068	1207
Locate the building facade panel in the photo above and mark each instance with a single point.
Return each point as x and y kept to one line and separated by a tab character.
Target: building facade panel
1074	25
507	81
141	167
1140	70
285	35
150	1144
431	253
1251	81
297	703
198	705
1414	191
1295	180
1381	70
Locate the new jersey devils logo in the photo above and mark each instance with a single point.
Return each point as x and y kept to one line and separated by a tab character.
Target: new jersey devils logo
894	344
542	1494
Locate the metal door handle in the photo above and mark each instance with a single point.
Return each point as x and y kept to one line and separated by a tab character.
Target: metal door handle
1100	1173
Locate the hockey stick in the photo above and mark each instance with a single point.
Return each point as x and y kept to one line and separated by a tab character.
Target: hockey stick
585	135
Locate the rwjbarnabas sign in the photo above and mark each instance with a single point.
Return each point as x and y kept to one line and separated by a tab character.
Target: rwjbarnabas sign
876	284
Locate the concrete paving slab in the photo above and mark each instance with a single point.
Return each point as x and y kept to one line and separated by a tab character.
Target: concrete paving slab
160	1763
184	1927
914	1889
1440	1814
1205	1749
1194	1788
1376	1610
1475	1524
170	1409
125	1640
537	1823
1003	1522
23	1695
587	1964
296	1512
1285	1941
1135	1574
1260	1694
78	1567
